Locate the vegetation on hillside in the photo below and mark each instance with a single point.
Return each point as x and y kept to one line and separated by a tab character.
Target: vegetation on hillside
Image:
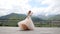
56	17
12	20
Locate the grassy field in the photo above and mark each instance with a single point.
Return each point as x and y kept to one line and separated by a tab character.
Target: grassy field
36	24
13	23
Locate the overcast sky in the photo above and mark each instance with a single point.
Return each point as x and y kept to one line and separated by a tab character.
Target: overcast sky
38	7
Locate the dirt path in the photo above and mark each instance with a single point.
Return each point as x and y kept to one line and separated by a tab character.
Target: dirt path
38	30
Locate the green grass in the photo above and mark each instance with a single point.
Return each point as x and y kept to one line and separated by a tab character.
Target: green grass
13	23
47	25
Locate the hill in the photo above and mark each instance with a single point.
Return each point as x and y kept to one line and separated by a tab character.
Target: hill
12	19
56	17
13	16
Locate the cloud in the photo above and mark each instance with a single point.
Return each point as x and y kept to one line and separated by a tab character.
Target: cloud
11	5
45	7
54	7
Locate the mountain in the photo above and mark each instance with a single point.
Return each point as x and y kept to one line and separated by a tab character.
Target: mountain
43	17
18	16
36	19
13	16
12	19
50	17
55	17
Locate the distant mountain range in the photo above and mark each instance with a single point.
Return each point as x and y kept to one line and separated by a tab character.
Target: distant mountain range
20	17
37	18
55	17
12	19
13	16
50	17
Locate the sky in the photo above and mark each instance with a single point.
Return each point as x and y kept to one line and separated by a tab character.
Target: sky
38	7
